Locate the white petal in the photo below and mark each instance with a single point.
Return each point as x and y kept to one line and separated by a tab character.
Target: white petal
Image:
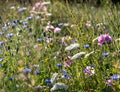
54	78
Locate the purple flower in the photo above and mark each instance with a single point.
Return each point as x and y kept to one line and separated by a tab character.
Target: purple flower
27	70
109	82
89	71
57	30
11	79
105	54
115	77
22	9
104	38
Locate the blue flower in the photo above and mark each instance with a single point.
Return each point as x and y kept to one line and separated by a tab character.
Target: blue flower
22	9
59	65
1	43
48	81
105	54
4	28
9	35
60	24
115	77
39	40
86	46
27	70
29	18
1	59
25	23
1	33
37	72
11	79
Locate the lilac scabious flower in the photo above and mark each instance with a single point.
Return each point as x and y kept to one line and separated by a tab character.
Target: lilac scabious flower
104	38
115	77
27	70
89	71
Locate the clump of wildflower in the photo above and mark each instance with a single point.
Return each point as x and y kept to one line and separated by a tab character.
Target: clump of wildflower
104	38
89	71
72	46
78	55
59	86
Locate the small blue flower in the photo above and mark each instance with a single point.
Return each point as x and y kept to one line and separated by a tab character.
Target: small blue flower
29	18
25	23
105	54
9	35
27	70
1	59
59	65
11	79
115	77
60	24
22	9
48	81
37	72
86	46
1	33
4	28
39	40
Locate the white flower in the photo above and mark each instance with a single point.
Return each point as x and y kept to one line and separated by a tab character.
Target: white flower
78	55
46	3
54	78
59	86
72	46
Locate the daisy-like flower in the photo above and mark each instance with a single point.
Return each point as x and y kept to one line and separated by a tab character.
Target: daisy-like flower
104	38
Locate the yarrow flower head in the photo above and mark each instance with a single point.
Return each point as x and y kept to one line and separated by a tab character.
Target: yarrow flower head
104	38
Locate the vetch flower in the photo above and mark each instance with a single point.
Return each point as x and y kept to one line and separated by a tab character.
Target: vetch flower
78	55
72	46
104	38
115	77
59	86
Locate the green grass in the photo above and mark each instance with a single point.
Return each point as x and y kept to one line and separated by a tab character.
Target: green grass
22	51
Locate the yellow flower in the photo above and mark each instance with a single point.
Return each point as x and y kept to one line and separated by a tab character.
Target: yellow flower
40	44
69	38
46	59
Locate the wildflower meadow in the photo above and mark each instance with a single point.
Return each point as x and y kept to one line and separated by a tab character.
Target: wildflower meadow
59	47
